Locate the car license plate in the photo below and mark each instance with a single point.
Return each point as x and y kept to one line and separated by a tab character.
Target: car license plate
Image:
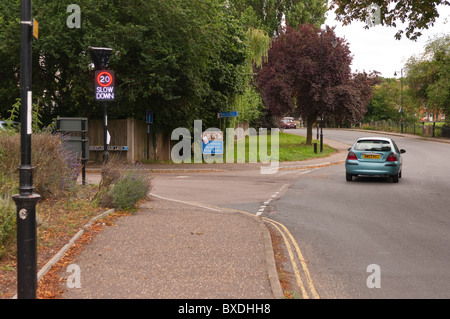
371	156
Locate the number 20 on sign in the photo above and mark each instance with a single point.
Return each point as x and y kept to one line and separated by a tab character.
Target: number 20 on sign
104	85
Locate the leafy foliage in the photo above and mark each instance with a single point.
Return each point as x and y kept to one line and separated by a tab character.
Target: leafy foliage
305	75
268	15
7	224
182	59
428	76
129	189
122	186
55	168
419	14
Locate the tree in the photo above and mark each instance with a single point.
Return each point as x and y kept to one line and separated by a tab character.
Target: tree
269	15
298	79
385	102
419	14
181	59
428	76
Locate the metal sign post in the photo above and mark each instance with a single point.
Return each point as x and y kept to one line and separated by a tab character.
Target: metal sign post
26	200
104	88
148	120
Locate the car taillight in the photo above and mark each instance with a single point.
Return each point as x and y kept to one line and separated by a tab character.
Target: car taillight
391	158
351	156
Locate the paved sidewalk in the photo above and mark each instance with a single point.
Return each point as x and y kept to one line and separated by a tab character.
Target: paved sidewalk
173	250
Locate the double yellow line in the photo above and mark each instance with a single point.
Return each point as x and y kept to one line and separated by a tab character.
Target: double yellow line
305	285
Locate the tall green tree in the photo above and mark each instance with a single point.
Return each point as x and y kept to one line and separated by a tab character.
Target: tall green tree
269	15
428	76
385	102
181	59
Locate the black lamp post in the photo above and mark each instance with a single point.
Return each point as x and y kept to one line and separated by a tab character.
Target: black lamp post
26	200
334	44
401	99
100	57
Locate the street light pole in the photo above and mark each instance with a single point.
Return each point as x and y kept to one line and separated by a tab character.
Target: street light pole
334	44
321	91
401	98
26	200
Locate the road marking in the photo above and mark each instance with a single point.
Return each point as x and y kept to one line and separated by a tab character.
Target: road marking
274	195
299	255
184	202
294	264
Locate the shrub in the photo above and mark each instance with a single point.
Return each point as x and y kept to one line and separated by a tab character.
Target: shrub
7	225
55	168
122	186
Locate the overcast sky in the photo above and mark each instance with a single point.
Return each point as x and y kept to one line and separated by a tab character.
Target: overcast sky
377	49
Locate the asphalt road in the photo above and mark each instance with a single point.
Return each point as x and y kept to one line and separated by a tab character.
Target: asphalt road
371	238
354	235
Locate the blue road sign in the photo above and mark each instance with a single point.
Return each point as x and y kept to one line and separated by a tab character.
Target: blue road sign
213	147
229	114
149	117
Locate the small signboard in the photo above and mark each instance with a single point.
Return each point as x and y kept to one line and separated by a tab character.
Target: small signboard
212	142
71	124
149	117
110	148
35	29
104	85
229	114
213	147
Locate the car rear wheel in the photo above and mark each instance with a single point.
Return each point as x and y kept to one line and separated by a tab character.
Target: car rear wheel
395	178
348	177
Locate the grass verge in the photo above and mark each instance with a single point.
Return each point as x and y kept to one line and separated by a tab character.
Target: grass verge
290	148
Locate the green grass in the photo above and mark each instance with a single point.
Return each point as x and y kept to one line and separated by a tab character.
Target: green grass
291	148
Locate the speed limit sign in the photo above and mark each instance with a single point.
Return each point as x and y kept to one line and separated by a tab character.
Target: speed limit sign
104	85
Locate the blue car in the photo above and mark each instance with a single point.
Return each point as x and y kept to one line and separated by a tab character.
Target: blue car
374	156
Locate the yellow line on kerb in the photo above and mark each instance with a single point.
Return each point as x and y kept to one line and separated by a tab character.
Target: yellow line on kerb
294	264
309	281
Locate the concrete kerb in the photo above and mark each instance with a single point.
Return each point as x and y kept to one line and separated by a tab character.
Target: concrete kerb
57	257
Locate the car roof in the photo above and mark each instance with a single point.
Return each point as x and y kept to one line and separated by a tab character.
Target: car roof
387	139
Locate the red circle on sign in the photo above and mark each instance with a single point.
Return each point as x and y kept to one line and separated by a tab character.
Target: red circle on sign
106	76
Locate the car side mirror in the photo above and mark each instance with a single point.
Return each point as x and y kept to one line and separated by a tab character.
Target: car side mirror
402	151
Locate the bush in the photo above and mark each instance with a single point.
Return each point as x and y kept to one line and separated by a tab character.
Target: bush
7	225
122	186
55	168
129	189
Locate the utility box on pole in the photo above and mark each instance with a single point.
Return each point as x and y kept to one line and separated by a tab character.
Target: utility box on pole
76	144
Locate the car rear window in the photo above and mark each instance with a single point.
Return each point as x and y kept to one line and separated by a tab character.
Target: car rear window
373	145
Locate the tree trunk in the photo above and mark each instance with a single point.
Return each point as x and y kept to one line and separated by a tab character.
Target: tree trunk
309	126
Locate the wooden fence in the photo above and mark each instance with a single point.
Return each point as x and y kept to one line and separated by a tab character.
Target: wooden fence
128	141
